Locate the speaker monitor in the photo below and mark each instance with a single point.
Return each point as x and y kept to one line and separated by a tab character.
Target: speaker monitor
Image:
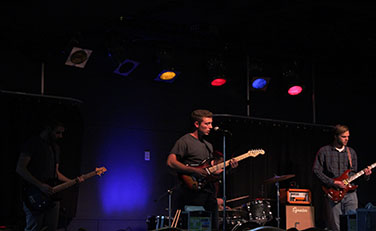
366	219
300	217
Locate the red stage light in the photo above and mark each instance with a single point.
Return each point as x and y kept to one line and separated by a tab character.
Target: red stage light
295	90
218	82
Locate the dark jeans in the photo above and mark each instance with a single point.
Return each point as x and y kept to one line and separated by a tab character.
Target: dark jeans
205	197
37	221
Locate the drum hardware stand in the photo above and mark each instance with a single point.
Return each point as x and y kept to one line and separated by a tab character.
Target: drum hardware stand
276	179
278	217
169	192
169	206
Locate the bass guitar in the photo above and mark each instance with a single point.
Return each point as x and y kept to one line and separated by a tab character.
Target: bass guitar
36	200
196	183
337	194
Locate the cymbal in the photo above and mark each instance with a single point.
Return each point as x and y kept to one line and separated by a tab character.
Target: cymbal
278	178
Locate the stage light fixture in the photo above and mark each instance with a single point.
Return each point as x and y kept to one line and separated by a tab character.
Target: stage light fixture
78	57
293	81
167	63
167	75
295	90
260	83
126	67
218	81
294	85
216	71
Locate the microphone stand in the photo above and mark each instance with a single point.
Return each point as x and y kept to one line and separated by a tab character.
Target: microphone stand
224	183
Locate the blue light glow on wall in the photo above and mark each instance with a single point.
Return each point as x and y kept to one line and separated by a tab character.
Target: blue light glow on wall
125	188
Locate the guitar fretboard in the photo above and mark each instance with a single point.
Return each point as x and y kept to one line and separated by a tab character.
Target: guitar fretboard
358	174
68	184
253	153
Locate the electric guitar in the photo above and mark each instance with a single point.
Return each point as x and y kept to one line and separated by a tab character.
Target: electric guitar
337	194
36	200
196	183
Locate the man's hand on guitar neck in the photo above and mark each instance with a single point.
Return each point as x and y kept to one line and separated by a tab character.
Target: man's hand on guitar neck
367	171
80	179
234	163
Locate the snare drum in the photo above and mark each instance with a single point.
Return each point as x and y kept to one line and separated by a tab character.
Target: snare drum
233	218
259	211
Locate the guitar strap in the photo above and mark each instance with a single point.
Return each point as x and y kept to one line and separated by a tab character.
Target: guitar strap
208	148
349	156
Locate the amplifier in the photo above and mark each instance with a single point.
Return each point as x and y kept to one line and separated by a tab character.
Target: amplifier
300	217
295	196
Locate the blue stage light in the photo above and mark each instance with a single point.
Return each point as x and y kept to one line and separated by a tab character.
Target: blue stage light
260	83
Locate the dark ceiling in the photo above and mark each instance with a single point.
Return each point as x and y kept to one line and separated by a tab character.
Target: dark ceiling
291	27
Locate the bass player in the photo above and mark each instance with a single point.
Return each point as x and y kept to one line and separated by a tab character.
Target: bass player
331	162
38	165
192	149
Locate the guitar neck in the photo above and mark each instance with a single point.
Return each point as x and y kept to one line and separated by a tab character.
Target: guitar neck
358	174
70	183
238	158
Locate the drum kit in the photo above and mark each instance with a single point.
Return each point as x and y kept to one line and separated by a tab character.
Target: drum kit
255	213
252	214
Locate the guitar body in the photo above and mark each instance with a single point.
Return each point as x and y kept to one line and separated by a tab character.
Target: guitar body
38	201
336	194
197	182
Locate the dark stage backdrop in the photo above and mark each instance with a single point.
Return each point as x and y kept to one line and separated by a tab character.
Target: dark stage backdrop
21	117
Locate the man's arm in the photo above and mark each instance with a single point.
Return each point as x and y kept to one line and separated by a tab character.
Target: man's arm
318	169
63	178
173	163
23	162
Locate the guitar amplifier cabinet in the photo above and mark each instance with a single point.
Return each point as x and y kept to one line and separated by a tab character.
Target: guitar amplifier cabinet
300	217
295	196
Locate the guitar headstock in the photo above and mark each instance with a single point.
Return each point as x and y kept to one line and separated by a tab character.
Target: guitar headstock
256	152
100	171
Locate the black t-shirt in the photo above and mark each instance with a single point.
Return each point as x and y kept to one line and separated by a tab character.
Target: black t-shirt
44	157
190	150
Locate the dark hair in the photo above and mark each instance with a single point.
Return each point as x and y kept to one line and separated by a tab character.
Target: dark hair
198	114
52	123
339	129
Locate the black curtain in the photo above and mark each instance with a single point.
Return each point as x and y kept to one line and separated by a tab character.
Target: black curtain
21	117
290	149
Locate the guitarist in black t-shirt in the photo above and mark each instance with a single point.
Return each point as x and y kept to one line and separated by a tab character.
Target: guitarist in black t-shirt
38	165
193	149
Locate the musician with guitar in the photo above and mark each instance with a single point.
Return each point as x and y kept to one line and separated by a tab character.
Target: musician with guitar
187	157
38	165
333	165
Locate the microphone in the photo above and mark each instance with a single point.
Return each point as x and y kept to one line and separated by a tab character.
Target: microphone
218	129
